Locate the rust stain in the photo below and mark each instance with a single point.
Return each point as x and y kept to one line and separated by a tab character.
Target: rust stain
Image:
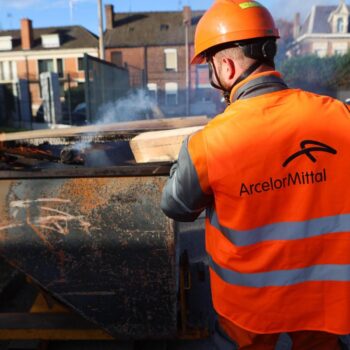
92	193
86	194
4	191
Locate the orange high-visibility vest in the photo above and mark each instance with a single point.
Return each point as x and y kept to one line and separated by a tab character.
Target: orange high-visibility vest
278	236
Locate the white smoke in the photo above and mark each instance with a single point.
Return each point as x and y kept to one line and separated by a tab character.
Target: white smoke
135	106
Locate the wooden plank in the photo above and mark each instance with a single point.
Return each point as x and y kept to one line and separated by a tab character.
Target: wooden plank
152	124
160	146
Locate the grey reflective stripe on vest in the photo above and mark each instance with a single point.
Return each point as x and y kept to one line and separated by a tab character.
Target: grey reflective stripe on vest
283	230
280	278
260	86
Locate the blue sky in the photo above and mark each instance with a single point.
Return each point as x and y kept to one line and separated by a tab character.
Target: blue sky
45	13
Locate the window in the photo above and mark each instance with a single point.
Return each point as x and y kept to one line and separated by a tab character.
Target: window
320	53
5	43
170	59
51	65
320	49
164	27
152	91
171	92
60	71
340	25
117	58
14	70
50	40
45	66
81	63
8	71
340	48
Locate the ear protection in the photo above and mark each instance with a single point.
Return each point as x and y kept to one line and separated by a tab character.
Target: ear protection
262	50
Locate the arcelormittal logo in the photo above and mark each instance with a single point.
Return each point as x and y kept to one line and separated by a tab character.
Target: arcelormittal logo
308	147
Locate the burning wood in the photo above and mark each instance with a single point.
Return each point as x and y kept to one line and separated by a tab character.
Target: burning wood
71	155
91	146
26	151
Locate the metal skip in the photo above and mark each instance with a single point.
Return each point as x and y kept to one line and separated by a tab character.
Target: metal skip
100	245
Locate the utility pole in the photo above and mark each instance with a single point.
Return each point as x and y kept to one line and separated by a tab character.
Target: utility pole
100	22
187	22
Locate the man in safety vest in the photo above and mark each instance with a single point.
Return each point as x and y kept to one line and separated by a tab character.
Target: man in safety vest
273	173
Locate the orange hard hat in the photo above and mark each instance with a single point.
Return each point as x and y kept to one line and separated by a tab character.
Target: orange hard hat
229	21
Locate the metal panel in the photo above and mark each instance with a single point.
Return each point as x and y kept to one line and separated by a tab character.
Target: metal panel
104	83
100	245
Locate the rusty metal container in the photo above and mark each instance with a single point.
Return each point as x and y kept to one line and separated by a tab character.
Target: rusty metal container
100	245
95	239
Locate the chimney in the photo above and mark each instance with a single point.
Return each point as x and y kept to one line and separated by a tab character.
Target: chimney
296	25
186	13
109	11
26	33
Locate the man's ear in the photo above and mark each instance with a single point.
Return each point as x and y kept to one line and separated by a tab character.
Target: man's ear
230	69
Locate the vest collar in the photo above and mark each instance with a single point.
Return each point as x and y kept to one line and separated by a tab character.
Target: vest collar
258	84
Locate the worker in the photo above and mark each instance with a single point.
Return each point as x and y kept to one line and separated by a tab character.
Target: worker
273	174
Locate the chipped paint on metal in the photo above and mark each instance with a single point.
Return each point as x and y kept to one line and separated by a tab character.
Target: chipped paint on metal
27	202
100	245
58	223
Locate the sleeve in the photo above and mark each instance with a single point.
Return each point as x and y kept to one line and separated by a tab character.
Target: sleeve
187	192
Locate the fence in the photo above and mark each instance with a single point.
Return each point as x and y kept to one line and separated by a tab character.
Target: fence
104	83
22	102
15	101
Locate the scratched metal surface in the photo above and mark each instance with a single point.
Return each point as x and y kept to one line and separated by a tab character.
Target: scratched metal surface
100	245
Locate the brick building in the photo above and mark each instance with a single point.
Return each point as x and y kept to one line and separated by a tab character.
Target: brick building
27	52
153	47
325	32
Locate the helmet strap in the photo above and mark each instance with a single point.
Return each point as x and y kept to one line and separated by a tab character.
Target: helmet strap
218	85
213	72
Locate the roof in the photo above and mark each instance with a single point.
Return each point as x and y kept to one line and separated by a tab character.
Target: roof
150	29
71	37
317	21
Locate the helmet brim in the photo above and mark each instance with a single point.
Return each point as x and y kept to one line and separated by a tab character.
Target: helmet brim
198	59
